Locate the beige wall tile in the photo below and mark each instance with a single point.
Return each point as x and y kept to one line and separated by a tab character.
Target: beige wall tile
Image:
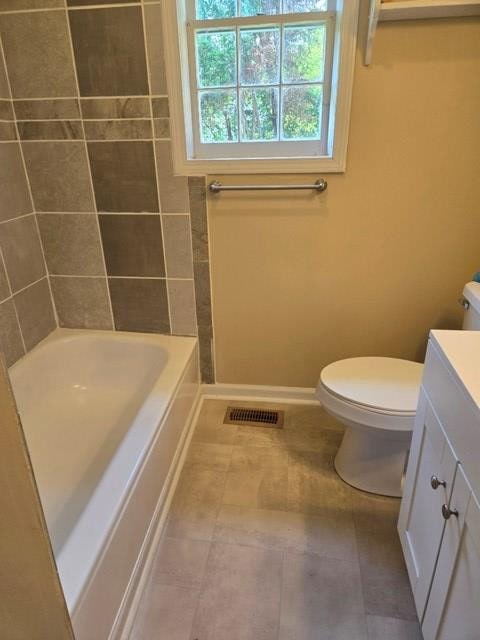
173	189
4	288
60	130
82	303
38	54
52	109
58	174
181	296
71	242
105	108
118	130
155	53
10	337
14	196
22	252
178	246
140	304
35	313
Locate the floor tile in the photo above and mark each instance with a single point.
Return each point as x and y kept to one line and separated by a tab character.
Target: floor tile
330	536
210	427
180	562
165	613
199	493
257	477
321	600
313	485
384	577
393	629
240	598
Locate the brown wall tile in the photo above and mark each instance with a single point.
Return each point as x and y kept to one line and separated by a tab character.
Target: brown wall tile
8	131
4	288
6	110
82	303
58	130
22	251
38	54
173	189
107	108
155	54
118	129
55	109
110	51
14	196
35	313
132	245
10	338
4	89
160	108
161	128
8	5
124	176
198	212
86	3
178	246
140	305
202	294
59	177
71	242
181	296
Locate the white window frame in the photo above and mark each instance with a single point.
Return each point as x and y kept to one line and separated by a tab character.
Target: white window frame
182	86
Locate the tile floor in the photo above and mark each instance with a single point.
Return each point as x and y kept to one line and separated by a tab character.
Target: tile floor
265	542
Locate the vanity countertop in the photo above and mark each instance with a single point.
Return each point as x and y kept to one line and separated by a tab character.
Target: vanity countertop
461	354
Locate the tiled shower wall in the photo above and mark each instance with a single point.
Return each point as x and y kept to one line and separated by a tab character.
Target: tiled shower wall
125	241
26	310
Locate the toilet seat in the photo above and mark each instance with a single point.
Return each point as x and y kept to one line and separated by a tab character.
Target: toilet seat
385	385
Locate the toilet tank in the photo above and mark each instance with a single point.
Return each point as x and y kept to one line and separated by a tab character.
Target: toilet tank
471	303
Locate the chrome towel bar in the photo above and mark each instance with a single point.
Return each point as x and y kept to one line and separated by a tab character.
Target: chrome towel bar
319	186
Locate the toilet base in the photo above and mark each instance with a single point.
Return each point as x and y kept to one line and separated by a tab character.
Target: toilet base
373	462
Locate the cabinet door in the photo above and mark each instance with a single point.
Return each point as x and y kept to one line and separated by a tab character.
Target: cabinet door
421	523
453	611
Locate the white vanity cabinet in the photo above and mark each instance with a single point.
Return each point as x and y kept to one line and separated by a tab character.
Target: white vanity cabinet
439	521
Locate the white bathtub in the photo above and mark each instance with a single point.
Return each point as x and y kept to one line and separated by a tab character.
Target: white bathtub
105	416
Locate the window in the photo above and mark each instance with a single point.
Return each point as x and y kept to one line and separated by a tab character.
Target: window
261	85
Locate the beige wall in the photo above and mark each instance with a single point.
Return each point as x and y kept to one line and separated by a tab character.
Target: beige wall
300	280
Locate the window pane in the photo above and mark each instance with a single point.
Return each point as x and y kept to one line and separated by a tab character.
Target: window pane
216	58
304	54
302	113
304	6
259	114
211	9
259	57
218	116
259	7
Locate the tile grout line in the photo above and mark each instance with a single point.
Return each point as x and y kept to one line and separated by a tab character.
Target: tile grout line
32	203
150	105
85	98
89	167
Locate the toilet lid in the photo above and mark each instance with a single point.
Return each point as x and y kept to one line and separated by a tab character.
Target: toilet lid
387	384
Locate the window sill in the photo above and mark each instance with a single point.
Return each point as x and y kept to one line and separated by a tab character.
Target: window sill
264	165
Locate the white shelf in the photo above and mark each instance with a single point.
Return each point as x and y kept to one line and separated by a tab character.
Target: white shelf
415	10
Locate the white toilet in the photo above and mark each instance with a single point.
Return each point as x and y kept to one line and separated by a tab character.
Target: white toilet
376	399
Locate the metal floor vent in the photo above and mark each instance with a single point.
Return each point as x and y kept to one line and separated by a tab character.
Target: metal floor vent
254	417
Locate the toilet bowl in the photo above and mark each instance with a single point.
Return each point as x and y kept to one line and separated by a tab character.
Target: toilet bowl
376	399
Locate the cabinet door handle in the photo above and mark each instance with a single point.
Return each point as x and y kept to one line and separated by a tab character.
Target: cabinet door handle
447	513
435	483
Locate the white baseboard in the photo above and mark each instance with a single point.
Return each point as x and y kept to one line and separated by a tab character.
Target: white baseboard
260	393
